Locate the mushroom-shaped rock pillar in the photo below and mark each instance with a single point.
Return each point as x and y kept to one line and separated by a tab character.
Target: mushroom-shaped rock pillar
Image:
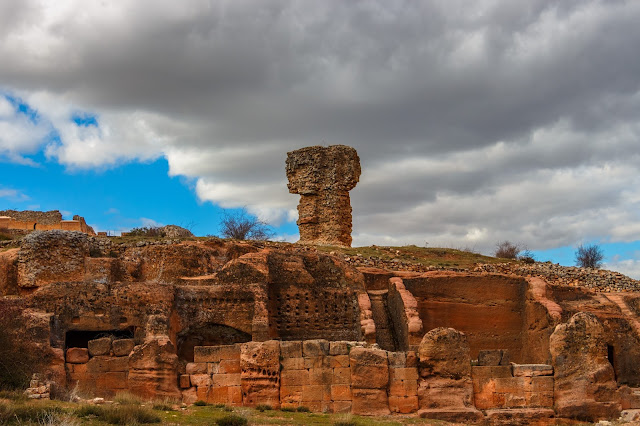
323	176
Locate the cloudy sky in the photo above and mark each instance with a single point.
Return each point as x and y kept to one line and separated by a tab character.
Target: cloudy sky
475	122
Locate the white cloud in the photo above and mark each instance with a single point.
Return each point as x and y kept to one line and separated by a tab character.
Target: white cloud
629	267
149	223
474	123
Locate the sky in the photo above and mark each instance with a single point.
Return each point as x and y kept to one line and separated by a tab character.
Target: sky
475	122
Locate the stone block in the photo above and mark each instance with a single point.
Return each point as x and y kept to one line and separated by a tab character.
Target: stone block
403	404
403	388
99	364
338	361
77	355
342	406
201	380
531	370
338	348
539	399
542	384
120	363
235	395
291	349
294	377
340	393
229	366
202	393
290	394
315	348
215	353
369	368
112	380
196	368
316	361
397	359
412	359
491	371
100	346
512	385
185	381
226	379
218	395
493	357
122	347
293	363
342	376
320	376
212	368
316	393
189	396
370	402
404	374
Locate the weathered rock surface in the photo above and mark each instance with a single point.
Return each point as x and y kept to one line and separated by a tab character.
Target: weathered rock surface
323	176
445	390
585	386
152	368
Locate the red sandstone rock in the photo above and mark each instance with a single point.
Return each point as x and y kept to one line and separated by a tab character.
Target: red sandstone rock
77	355
260	377
445	390
122	347
100	346
369	368
585	386
152	370
323	176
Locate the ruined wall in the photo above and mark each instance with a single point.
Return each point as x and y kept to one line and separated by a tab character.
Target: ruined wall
46	218
323	176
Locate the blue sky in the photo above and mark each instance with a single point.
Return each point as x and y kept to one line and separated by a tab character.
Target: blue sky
474	123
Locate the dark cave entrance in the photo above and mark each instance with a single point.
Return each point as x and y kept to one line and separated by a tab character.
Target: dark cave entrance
208	335
80	338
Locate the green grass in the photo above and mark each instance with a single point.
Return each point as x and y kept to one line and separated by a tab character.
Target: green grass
425	256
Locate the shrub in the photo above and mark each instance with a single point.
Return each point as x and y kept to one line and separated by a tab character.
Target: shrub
287	409
263	407
200	403
303	409
165	405
527	257
119	414
19	356
242	226
507	250
232	420
27	412
589	256
127	398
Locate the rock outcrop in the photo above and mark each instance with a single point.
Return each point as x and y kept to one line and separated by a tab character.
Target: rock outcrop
323	176
445	390
585	385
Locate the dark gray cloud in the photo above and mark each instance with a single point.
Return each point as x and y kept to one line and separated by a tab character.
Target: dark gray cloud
475	122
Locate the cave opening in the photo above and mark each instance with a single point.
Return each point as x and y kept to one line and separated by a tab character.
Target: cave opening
80	338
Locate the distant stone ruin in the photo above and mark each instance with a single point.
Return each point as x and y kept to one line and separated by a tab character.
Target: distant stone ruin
323	176
24	222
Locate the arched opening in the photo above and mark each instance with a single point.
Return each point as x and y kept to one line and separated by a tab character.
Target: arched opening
611	358
34	226
208	335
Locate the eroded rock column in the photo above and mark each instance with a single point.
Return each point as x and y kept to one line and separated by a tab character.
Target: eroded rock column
323	176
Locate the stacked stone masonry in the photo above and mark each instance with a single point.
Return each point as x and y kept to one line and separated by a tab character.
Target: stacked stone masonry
21	222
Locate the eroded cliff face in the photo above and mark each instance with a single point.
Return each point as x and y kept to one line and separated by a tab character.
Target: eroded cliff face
168	318
323	176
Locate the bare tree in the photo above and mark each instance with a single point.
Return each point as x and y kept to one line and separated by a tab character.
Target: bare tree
590	256
243	226
507	250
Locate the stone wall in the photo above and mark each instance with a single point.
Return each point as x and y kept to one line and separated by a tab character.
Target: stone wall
349	377
25	222
46	218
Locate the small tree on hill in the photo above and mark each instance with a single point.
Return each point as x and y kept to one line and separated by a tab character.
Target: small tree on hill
242	226
590	256
507	250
